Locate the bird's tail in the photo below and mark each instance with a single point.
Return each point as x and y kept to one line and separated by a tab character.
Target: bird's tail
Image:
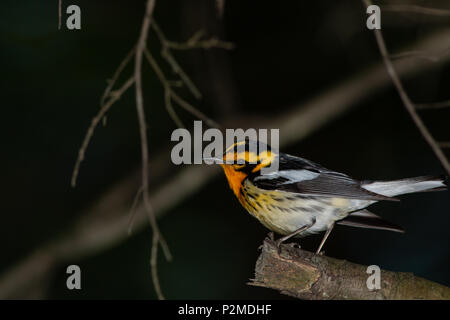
408	185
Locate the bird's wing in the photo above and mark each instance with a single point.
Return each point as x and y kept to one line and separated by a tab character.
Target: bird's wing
369	220
302	176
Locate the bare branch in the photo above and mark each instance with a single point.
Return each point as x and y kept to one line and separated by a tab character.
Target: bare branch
433	57
220	5
190	108
167	88
444	144
95	121
435	105
133	210
171	94
195	43
140	47
137	52
176	68
113	80
171	110
306	275
407	101
59	14
104	107
412	8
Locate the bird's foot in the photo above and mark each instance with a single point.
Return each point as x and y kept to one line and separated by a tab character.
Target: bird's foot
278	245
290	244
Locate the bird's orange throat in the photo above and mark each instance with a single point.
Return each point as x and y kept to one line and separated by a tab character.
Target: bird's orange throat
234	178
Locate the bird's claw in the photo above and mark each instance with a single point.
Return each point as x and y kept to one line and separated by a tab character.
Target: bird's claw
278	245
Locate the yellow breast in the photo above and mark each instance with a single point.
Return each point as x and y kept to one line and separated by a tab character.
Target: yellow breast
276	210
284	212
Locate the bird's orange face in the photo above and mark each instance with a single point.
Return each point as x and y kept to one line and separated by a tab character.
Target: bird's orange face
239	164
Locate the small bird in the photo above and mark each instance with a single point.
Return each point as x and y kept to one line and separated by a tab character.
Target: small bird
303	198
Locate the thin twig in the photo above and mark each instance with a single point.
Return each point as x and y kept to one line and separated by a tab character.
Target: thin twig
444	144
59	14
416	9
95	121
190	108
171	94
194	43
176	68
406	100
133	210
140	47
220	6
435	105
113	80
167	88
171	110
433	57
154	265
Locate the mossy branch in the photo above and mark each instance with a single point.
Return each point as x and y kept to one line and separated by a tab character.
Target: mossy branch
305	275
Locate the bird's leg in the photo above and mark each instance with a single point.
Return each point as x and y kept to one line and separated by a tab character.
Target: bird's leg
327	233
290	235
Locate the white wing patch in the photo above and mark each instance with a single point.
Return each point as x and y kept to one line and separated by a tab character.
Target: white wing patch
291	175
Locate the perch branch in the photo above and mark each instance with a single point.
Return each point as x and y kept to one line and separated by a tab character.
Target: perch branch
305	275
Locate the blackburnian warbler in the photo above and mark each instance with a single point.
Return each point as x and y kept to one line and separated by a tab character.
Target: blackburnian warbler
303	198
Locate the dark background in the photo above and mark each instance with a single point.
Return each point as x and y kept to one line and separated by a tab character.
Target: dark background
286	52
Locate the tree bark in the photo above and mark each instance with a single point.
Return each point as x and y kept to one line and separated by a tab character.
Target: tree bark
305	275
